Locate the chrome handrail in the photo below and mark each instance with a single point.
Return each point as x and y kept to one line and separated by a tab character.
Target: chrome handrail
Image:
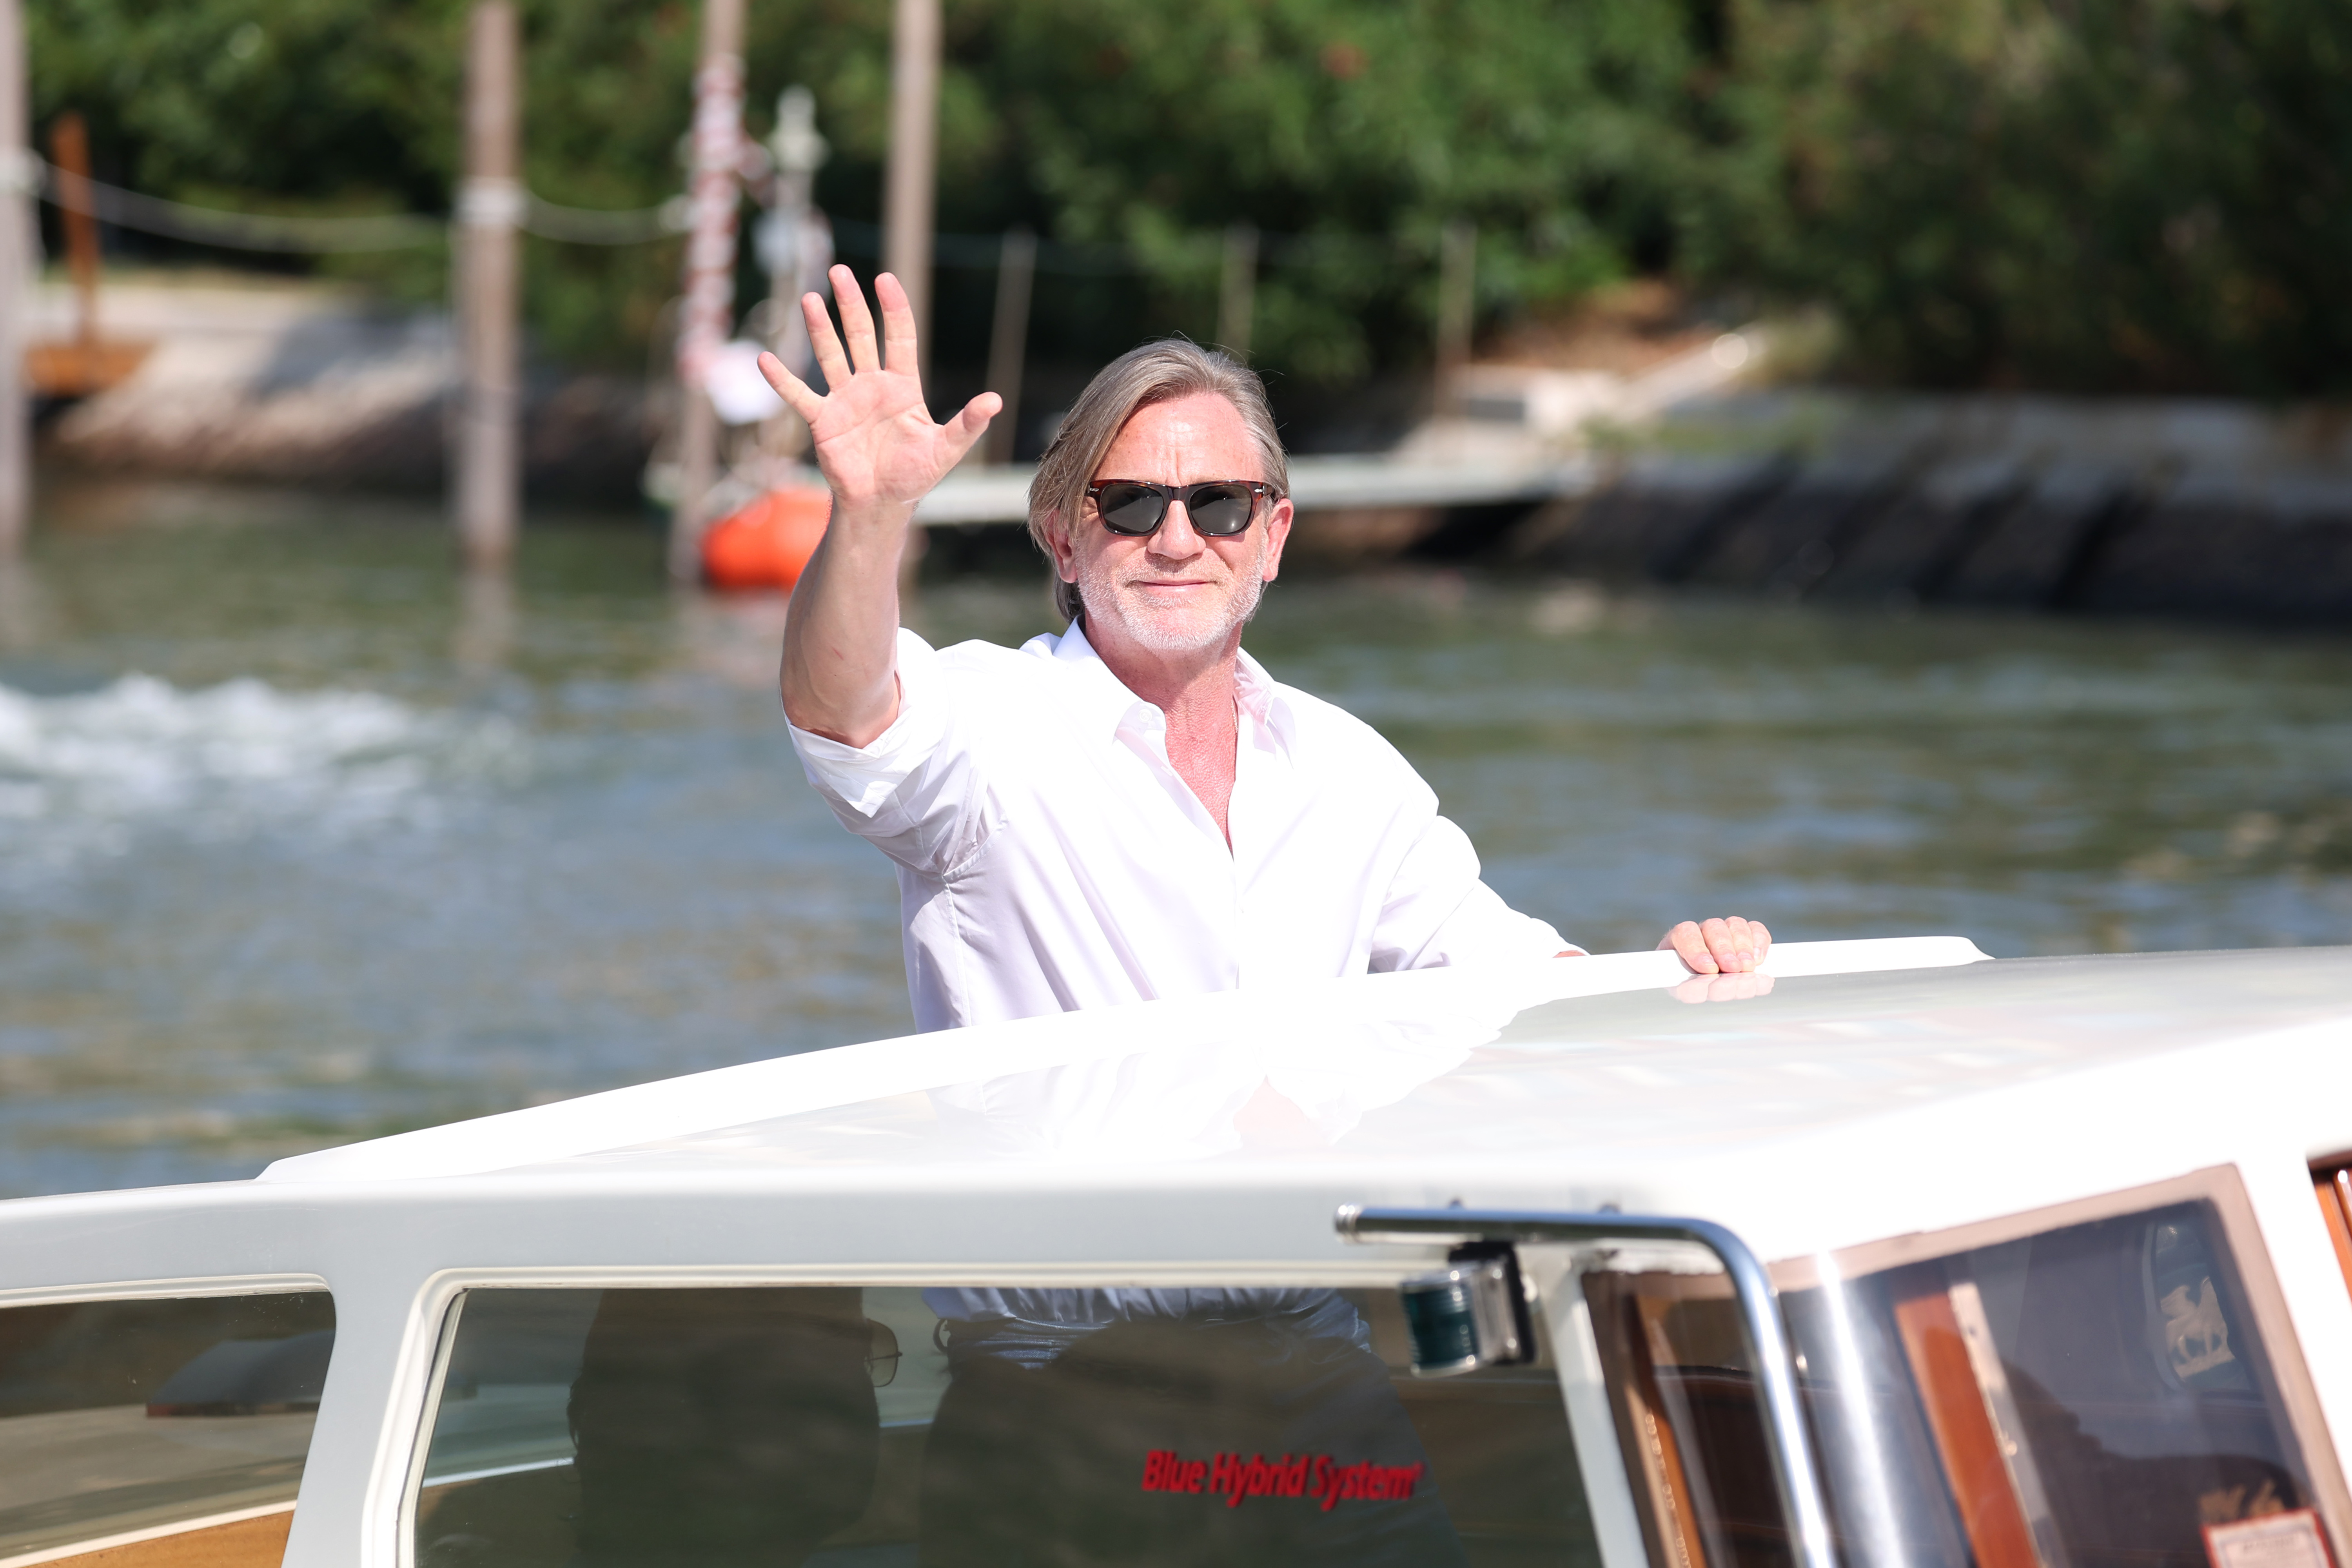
1793	1468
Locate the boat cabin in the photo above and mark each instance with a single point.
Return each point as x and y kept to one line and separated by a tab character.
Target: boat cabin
1891	1256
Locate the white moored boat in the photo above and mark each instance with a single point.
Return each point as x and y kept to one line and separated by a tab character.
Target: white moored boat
1917	1261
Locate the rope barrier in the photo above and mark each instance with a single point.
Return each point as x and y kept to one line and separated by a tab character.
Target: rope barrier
242	231
326	236
982	251
599	225
632	226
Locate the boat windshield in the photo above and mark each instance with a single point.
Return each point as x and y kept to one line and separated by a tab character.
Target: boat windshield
958	1425
2089	1394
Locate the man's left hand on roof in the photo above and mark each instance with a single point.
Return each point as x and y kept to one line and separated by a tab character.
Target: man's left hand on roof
1731	945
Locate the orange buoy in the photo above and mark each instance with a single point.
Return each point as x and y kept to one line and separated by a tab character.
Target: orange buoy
766	543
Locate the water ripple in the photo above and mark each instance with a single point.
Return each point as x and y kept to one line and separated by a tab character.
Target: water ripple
85	773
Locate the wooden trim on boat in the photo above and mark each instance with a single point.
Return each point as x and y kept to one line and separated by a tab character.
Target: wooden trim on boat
1965	1439
241	1538
1644	1434
2331	1183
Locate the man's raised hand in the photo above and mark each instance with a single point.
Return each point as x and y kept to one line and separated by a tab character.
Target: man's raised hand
875	441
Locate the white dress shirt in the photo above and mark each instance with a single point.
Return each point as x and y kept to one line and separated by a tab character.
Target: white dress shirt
1050	858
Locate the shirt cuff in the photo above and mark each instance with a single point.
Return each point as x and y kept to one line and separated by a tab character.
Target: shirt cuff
864	778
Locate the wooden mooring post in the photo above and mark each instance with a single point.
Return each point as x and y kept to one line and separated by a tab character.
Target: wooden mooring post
1457	306
1008	338
911	188
19	181
487	470
708	313
1237	291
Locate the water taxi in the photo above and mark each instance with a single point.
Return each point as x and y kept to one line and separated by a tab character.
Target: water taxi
1891	1256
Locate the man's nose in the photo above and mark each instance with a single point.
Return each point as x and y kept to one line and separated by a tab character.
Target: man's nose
1176	537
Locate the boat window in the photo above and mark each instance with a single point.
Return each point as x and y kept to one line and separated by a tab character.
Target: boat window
865	1428
2096	1393
161	1431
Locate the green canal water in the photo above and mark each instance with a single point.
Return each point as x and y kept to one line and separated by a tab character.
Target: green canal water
299	842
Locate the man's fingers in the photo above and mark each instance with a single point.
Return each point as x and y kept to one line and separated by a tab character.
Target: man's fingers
791	388
972	423
1728	946
826	342
899	350
1690	945
1727	939
856	320
1738	945
1724	945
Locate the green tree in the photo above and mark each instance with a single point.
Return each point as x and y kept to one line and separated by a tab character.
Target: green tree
1350	131
2097	194
2093	195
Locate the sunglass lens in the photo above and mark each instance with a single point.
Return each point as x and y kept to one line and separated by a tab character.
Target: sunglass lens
1221	508
1129	508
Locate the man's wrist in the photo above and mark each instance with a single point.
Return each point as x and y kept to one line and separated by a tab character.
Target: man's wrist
873	514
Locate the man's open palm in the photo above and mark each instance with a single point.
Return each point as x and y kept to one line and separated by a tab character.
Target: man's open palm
875	441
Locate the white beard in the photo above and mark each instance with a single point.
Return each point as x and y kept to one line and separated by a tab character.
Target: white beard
1168	628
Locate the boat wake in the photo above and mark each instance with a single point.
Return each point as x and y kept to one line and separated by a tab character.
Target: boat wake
87	774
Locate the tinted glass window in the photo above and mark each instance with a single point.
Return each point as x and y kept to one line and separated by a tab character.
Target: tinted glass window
159	1416
839	1427
2095	1394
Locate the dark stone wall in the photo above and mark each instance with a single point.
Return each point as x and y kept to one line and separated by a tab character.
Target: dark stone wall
2209	511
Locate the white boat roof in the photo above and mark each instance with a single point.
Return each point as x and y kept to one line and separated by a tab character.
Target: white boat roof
1589	1078
1148	1082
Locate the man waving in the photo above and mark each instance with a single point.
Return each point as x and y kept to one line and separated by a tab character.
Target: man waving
1133	809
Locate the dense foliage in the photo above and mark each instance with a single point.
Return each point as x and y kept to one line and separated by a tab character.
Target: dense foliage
2092	194
2087	193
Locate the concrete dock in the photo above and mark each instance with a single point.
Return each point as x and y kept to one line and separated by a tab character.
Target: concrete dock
983	495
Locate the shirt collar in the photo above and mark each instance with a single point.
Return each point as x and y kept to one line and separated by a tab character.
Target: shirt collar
1104	692
1253	690
1256	693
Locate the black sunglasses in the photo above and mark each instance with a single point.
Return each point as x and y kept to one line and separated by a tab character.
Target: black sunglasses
1218	508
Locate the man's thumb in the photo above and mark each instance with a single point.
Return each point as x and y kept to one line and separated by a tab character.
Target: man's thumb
973	422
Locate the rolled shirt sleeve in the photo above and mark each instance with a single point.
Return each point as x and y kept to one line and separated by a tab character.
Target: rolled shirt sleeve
907	791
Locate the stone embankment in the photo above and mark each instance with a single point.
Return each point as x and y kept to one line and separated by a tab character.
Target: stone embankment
289	383
2163	507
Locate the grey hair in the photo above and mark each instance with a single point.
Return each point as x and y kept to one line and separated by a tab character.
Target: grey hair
1158	371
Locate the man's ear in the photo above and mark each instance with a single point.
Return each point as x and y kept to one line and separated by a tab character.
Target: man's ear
1065	555
1277	532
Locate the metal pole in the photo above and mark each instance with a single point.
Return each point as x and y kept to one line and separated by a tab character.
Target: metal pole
488	478
1793	1467
911	193
708	314
1457	300
1237	291
19	179
1008	338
